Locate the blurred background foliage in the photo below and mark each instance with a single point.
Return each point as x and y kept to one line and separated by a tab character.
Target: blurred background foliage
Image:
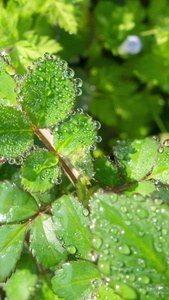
120	48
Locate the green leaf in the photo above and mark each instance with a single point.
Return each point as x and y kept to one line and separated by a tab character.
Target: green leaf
107	293
130	238
73	281
161	167
48	92
40	171
76	131
65	12
44	290
106	172
15	132
161	195
15	204
144	188
82	161
71	225
44	244
7	86
22	282
135	158
11	244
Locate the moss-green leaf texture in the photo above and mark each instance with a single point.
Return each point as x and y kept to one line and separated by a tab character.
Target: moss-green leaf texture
130	238
15	132
47	91
76	131
15	204
40	171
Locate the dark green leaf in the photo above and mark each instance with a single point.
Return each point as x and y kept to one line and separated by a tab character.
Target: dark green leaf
15	204
22	282
44	244
136	158
11	244
40	171
71	225
76	131
15	132
130	238
106	172
74	280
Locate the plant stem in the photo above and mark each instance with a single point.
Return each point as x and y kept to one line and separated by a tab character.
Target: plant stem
65	167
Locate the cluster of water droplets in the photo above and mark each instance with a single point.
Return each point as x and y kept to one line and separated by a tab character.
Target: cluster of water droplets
120	241
47	92
78	127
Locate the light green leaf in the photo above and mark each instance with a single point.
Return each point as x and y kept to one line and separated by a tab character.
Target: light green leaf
44	290
130	238
106	172
82	161
15	132
15	204
161	167
71	225
107	293
136	158
40	171
44	244
48	92
73	281
7	86
144	188
22	282
76	131
11	244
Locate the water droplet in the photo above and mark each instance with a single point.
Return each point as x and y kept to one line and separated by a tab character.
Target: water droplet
96	125
52	180
85	212
63	64
47	55
98	139
11	161
71	249
141	212
124	249
144	279
155	138
123	209
97	242
68	73
58	180
18	78
17	90
78	92
92	147
160	150
77	82
166	143
137	197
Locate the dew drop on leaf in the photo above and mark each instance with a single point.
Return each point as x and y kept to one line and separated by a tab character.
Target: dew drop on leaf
78	92
96	125
141	212
68	73
71	249
124	249
78	82
98	139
